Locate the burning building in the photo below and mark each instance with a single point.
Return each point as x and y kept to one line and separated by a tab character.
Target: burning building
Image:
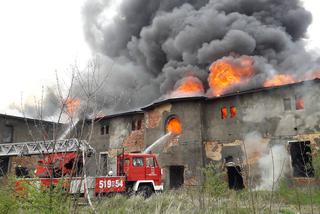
233	80
233	130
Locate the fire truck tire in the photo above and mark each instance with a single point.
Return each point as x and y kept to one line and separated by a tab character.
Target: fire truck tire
145	191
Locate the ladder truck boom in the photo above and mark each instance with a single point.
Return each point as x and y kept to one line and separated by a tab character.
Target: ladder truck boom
44	147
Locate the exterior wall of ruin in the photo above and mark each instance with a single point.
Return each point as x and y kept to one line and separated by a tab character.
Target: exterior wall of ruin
264	113
186	150
208	138
26	130
120	137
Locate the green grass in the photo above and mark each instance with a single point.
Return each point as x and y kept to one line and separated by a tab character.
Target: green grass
213	197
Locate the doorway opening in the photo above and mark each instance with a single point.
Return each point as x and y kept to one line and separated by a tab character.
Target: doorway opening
4	166
301	159
176	174
235	180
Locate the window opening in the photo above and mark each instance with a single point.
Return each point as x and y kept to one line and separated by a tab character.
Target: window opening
4	166
224	113
174	126
150	162
233	111
139	124
8	134
102	130
287	104
299	103
137	161
133	125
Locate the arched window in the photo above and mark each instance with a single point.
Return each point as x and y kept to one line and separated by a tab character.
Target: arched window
173	125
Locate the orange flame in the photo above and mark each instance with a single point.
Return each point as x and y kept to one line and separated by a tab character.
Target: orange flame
224	113
233	111
188	86
72	105
225	73
174	126
280	79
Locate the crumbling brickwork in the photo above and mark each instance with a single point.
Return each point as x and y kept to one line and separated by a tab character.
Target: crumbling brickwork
213	150
135	140
154	117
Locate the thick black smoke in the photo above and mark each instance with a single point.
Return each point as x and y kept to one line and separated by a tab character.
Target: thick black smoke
154	43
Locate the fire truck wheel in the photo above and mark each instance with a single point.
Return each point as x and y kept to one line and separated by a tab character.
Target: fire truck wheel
145	191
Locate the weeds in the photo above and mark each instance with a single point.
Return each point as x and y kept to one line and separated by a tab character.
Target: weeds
212	197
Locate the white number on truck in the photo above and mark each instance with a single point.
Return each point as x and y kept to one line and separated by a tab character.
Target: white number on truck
110	183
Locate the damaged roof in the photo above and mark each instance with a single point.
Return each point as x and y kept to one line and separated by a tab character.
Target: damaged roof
120	114
203	98
26	119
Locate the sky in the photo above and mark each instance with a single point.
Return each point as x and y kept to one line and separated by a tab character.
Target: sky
39	38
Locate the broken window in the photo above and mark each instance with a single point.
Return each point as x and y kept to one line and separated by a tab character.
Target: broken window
133	125
224	113
299	103
176	174
7	134
136	125
139	124
137	161
287	104
301	159
233	111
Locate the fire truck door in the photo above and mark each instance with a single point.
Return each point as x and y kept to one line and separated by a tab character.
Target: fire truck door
151	173
138	169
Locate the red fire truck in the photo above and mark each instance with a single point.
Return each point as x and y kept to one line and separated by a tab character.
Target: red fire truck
64	161
136	173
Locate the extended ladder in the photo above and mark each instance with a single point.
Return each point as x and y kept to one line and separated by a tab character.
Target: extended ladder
44	147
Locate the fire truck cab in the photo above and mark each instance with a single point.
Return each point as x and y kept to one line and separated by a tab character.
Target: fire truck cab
136	173
142	172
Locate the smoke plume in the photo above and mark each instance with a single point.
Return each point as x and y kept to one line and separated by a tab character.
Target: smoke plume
268	162
274	165
156	43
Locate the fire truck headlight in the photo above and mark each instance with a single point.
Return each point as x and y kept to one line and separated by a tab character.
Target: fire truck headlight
110	173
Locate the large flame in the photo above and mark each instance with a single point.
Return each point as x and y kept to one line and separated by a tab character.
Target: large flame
188	86
226	73
174	126
72	105
280	79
